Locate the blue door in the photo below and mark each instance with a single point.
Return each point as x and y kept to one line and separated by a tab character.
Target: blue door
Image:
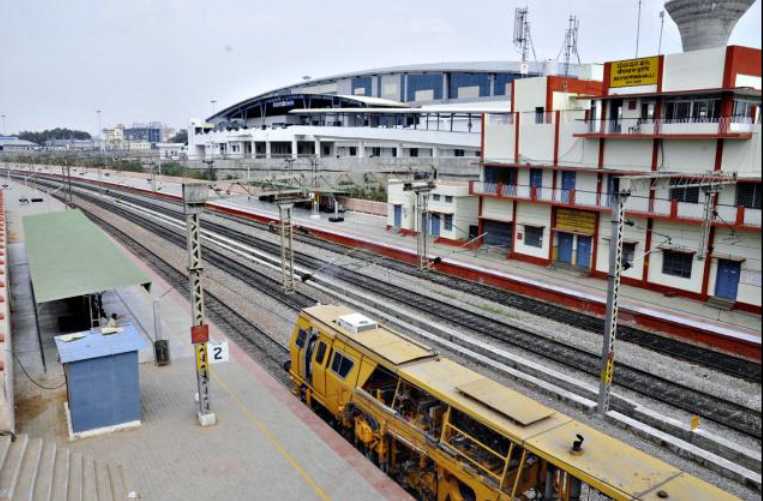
435	230
536	178
727	282
568	184
564	249
398	216
584	252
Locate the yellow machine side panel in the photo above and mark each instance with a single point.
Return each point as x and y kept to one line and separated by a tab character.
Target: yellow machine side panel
688	488
605	463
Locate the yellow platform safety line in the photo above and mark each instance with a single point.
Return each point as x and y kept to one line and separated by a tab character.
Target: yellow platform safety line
270	436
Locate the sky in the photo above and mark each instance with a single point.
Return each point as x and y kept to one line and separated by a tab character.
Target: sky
165	60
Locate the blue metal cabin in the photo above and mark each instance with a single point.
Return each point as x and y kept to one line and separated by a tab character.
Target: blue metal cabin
102	378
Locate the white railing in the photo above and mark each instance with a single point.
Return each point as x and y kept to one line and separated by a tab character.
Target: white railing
647	126
752	217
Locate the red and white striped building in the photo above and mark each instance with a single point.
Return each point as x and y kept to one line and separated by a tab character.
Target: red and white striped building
549	164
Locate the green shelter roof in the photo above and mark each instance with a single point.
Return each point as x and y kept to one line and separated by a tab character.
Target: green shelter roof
70	256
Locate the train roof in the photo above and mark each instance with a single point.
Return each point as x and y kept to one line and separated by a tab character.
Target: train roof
613	467
392	346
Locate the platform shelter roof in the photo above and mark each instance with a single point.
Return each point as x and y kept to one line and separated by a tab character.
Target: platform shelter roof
70	256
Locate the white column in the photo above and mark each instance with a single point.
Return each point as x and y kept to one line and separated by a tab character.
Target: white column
361	149
294	147
317	148
267	149
399	150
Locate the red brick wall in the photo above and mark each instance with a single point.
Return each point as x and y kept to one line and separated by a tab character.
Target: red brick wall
366	206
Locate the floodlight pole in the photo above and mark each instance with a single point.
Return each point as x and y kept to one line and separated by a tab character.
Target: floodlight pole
613	288
194	198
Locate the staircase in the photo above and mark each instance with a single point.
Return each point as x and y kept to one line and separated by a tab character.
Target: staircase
35	470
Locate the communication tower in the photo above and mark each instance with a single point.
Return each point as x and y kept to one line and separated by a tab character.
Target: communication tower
570	47
522	40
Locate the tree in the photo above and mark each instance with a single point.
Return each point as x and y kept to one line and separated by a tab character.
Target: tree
180	137
57	133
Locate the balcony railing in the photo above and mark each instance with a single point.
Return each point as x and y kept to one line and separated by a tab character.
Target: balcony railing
701	126
635	205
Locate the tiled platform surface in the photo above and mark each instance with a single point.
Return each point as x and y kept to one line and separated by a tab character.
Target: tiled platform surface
266	445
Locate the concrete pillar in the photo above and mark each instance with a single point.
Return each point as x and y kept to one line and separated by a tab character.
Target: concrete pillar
317	148
267	149
399	150
361	149
294	147
435	153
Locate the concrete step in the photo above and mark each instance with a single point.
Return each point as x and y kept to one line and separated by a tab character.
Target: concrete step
720	303
26	481
12	466
60	487
45	473
35	470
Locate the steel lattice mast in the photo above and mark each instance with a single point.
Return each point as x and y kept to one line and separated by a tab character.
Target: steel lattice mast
194	198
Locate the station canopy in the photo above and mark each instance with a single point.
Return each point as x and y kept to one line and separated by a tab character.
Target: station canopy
70	256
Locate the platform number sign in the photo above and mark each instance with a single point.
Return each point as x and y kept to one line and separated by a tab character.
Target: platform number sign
218	352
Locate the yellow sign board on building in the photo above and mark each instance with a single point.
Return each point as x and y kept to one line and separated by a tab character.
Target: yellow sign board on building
575	221
634	72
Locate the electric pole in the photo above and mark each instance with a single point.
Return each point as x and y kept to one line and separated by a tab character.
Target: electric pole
613	288
287	246
194	198
422	190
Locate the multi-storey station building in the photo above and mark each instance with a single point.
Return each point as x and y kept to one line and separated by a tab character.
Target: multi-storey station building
416	111
690	122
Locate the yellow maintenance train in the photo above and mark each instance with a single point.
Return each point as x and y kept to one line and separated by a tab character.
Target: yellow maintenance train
445	432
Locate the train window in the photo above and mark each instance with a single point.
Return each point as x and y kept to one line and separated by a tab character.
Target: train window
382	384
320	353
341	364
301	339
420	408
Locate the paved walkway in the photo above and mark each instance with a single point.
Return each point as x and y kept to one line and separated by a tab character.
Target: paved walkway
373	228
266	445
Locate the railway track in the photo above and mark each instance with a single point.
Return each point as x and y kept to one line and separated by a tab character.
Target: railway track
272	351
721	411
724	363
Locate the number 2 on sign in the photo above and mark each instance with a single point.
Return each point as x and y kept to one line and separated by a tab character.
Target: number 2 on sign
218	352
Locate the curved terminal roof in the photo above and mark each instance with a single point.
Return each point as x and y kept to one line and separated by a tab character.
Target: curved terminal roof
302	88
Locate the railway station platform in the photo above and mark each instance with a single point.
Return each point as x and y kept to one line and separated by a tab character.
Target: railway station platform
732	331
265	445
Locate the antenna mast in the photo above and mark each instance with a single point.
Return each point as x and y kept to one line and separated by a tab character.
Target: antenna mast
638	26
571	43
522	39
662	25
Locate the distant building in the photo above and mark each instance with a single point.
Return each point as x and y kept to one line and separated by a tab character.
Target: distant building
12	143
71	144
172	151
153	132
386	114
114	138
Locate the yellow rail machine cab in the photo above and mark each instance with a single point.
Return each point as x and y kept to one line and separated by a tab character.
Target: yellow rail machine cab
446	432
